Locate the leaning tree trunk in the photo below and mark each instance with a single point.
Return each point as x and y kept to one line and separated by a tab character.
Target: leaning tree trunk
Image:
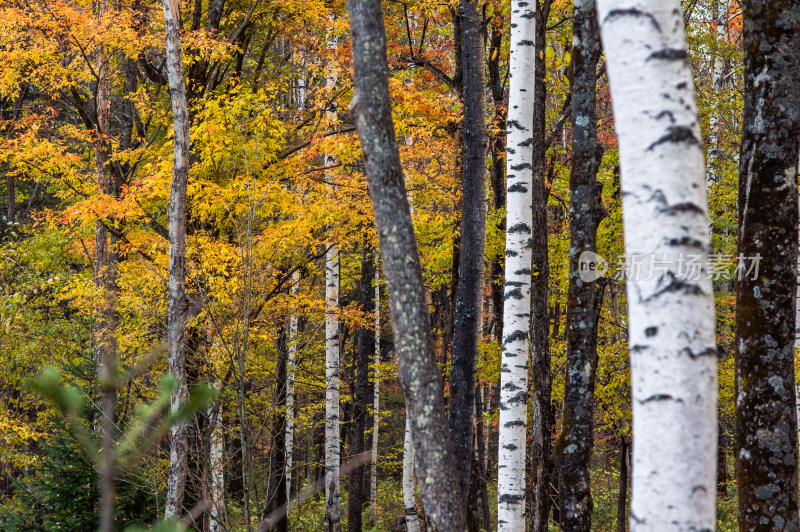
366	340
766	422
332	451
586	212
467	319
671	311
176	212
418	371
517	297
218	511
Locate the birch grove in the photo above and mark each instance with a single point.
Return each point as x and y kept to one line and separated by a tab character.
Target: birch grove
673	350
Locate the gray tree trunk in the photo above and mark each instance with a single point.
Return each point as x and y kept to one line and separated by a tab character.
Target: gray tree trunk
418	371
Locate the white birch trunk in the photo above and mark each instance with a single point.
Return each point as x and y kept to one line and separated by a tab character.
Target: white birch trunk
290	367
721	20
671	312
176	304
373	465
409	500
517	298
332	450
217	509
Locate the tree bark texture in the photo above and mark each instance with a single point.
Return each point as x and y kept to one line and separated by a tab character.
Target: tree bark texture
586	212
418	371
543	417
409	500
766	423
332	430
176	213
671	309
517	294
469	295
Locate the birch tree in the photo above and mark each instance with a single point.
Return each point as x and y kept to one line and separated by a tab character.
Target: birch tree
376	403
290	367
517	293
586	212
332	266
671	312
176	344
409	500
417	367
766	422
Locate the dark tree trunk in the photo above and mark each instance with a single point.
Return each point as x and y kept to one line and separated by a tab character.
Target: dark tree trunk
622	495
469	293
11	200
766	420
418	372
276	496
498	175
722	458
363	391
541	382
586	211
478	500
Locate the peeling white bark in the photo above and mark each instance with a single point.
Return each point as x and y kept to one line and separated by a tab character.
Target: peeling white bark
517	298
672	334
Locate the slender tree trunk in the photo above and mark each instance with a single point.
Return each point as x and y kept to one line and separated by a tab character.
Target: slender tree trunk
373	465
218	510
409	500
106	281
418	372
176	343
766	422
671	311
720	14
332	450
517	298
498	167
586	212
290	367
543	418
622	495
332	430
277	496
11	200
366	342
469	295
